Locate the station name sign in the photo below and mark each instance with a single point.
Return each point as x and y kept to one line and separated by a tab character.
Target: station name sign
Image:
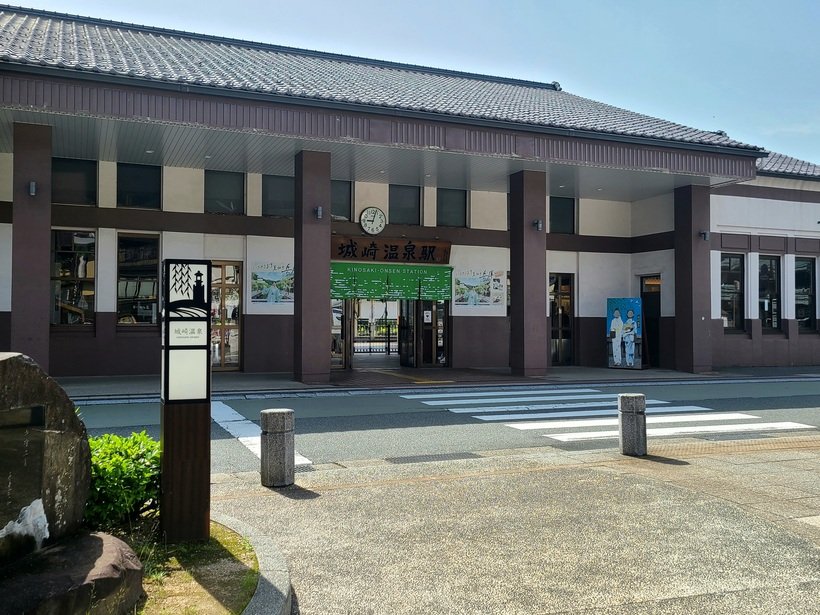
390	250
186	331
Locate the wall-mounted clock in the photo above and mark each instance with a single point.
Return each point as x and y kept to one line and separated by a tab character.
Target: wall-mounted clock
372	220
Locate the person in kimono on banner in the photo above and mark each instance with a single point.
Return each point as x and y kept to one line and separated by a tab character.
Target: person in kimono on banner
616	328
628	334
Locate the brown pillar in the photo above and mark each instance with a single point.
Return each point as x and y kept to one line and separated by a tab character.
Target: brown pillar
528	274
693	310
312	319
31	243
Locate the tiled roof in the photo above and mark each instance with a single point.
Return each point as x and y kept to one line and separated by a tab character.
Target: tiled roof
70	43
780	164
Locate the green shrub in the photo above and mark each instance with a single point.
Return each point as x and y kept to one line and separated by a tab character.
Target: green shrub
125	475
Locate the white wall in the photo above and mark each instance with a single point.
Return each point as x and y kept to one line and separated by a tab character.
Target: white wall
653	215
714	276
601	276
733	214
106	270
183	189
6	172
648	263
366	195
5	267
224	247
429	205
606	218
182	245
780	182
106	185
488	210
253	194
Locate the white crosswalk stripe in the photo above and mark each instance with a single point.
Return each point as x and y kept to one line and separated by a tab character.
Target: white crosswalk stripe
574	412
247	432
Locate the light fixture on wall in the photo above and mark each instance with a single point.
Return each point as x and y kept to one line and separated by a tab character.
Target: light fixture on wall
32	188
705	235
318	211
538	224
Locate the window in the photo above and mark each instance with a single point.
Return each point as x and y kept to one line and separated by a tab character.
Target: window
731	291
72	277
562	215
137	280
804	293
278	196
74	181
139	185
451	207
769	293
341	200
404	205
224	192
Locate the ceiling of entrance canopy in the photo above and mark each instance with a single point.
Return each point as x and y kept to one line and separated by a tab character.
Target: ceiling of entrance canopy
149	142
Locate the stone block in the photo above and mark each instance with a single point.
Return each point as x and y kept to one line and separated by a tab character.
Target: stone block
45	458
632	424
278	450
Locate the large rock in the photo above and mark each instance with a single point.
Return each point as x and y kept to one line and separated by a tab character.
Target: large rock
87	573
45	462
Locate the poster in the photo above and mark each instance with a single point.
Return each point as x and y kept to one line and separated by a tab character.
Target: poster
485	287
624	332
272	283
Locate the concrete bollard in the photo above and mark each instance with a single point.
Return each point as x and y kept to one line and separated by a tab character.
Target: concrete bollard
277	447
632	424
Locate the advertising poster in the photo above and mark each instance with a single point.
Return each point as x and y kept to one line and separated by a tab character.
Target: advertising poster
624	335
480	287
272	283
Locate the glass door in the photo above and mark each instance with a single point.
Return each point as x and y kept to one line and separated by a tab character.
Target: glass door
561	318
651	306
226	310
407	333
432	319
337	353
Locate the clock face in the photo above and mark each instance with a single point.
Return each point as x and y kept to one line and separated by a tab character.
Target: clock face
373	220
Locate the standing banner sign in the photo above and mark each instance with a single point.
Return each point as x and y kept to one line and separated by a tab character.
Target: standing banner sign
624	332
185	408
186	372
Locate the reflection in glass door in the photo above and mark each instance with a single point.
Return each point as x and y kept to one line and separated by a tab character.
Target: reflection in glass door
226	309
407	333
561	318
433	333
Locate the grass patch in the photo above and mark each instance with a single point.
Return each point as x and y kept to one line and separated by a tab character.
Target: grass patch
218	576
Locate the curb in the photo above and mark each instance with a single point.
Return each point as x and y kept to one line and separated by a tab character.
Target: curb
273	593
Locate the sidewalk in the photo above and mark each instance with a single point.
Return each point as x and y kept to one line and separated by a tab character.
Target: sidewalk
697	527
223	383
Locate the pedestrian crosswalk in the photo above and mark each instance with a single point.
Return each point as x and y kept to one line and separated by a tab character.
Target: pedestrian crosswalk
247	432
580	414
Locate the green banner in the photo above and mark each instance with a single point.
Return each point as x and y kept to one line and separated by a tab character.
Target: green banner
375	281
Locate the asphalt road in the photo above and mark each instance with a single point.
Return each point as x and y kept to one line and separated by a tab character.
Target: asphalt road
346	427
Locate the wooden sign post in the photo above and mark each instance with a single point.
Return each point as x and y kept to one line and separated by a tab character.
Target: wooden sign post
185	415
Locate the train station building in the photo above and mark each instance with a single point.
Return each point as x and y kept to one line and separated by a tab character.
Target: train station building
354	207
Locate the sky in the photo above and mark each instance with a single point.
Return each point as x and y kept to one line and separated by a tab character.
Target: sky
748	67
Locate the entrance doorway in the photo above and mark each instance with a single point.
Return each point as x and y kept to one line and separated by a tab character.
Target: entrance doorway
561	318
226	308
423	333
651	301
364	332
390	315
